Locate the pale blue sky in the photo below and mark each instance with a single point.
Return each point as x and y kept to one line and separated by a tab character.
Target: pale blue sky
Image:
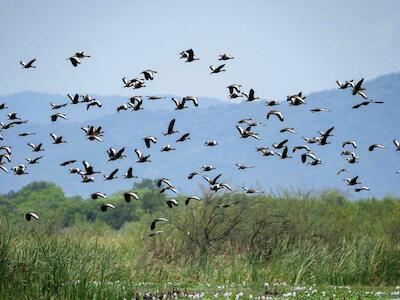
280	46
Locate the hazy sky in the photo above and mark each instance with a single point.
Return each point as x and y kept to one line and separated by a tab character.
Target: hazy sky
280	47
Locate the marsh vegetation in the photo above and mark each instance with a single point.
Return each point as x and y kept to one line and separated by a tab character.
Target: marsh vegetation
76	251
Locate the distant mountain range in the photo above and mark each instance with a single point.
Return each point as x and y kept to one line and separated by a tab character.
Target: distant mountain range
213	119
26	102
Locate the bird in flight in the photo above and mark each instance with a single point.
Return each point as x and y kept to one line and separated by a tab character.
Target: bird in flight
188	55
77	57
28	65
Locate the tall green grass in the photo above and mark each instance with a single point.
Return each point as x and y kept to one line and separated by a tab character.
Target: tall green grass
70	266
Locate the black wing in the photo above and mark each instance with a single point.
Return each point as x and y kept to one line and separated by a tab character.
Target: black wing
119	153
183	137
359	105
130	172
190	53
359	84
113	173
283	143
171	126
147	142
251	93
29	64
214	181
285	152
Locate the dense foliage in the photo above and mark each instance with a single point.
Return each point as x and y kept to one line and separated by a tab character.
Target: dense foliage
309	238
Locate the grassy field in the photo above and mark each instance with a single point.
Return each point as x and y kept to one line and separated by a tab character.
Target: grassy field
304	246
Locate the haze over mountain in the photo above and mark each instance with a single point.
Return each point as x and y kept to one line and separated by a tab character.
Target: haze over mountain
213	119
24	102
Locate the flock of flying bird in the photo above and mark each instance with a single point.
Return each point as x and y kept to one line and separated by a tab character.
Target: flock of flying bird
244	128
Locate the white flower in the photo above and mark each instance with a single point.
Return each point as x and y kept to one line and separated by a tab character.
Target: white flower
227	294
396	293
378	293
